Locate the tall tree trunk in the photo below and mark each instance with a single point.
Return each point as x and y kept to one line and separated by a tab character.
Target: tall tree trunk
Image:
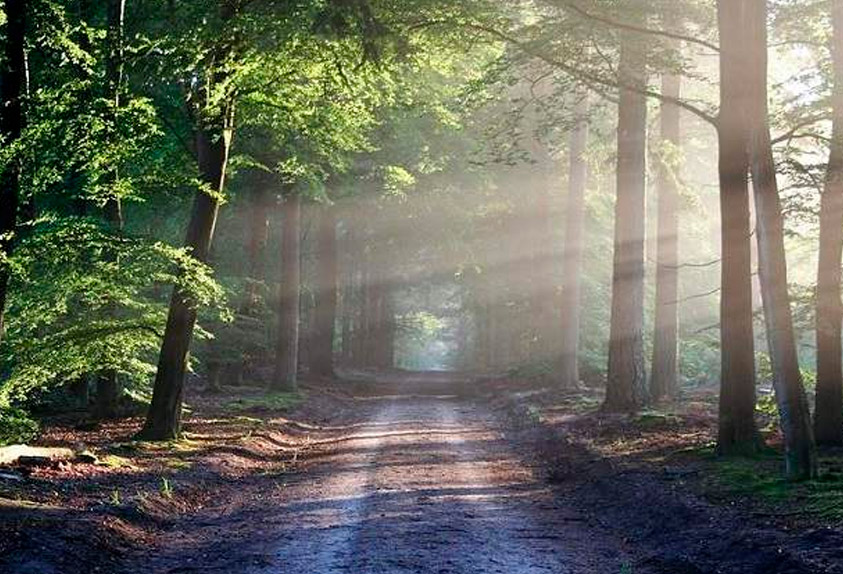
737	433
108	392
325	312
663	383
627	382
794	415
568	367
828	421
286	358
12	82
257	239
163	421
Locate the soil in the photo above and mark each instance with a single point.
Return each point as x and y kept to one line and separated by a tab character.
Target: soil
406	474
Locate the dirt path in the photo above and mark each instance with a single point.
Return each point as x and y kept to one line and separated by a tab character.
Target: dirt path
426	485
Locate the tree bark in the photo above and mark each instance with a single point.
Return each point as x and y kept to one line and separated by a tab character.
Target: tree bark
737	433
828	417
325	312
164	419
626	387
287	352
12	83
108	391
663	383
794	415
568	367
256	242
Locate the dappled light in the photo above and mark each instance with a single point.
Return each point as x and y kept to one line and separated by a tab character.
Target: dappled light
421	287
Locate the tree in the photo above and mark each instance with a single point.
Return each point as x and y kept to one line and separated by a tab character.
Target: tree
828	421
626	386
568	368
663	382
107	382
321	356
287	352
794	415
12	82
737	432
214	128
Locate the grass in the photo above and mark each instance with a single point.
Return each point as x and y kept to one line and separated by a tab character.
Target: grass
267	402
761	478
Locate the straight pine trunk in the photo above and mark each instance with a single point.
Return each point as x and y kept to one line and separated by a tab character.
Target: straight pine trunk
828	418
663	383
737	433
795	418
568	367
256	241
626	386
286	358
325	312
12	82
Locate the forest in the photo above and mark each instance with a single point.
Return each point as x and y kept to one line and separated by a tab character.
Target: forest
426	286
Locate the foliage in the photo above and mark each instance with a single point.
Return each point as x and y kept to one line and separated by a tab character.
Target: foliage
16	427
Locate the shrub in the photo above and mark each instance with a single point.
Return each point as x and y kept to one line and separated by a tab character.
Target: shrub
16	426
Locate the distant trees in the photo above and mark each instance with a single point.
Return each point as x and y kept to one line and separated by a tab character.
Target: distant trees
572	255
285	377
664	380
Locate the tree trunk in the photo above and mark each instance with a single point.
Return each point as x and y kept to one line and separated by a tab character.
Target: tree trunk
568	367
286	358
164	419
325	312
108	392
627	382
772	264
828	421
12	82
256	242
737	433
663	383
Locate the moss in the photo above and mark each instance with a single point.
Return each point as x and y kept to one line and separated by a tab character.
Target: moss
761	478
267	402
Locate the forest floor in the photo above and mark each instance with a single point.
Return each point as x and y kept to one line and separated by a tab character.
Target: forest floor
416	474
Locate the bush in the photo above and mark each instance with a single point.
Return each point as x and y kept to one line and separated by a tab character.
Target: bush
16	427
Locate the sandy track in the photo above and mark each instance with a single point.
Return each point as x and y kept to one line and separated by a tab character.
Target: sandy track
427	486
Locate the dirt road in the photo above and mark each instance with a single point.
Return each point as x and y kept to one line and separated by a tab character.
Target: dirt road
427	485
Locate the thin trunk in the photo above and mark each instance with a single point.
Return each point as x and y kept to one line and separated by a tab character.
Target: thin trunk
347	301
256	242
828	421
286	359
12	82
325	311
108	391
627	382
568	368
794	415
665	337
737	433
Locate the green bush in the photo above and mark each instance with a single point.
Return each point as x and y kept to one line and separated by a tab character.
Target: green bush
16	427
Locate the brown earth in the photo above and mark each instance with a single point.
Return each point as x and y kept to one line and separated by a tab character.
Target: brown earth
409	474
